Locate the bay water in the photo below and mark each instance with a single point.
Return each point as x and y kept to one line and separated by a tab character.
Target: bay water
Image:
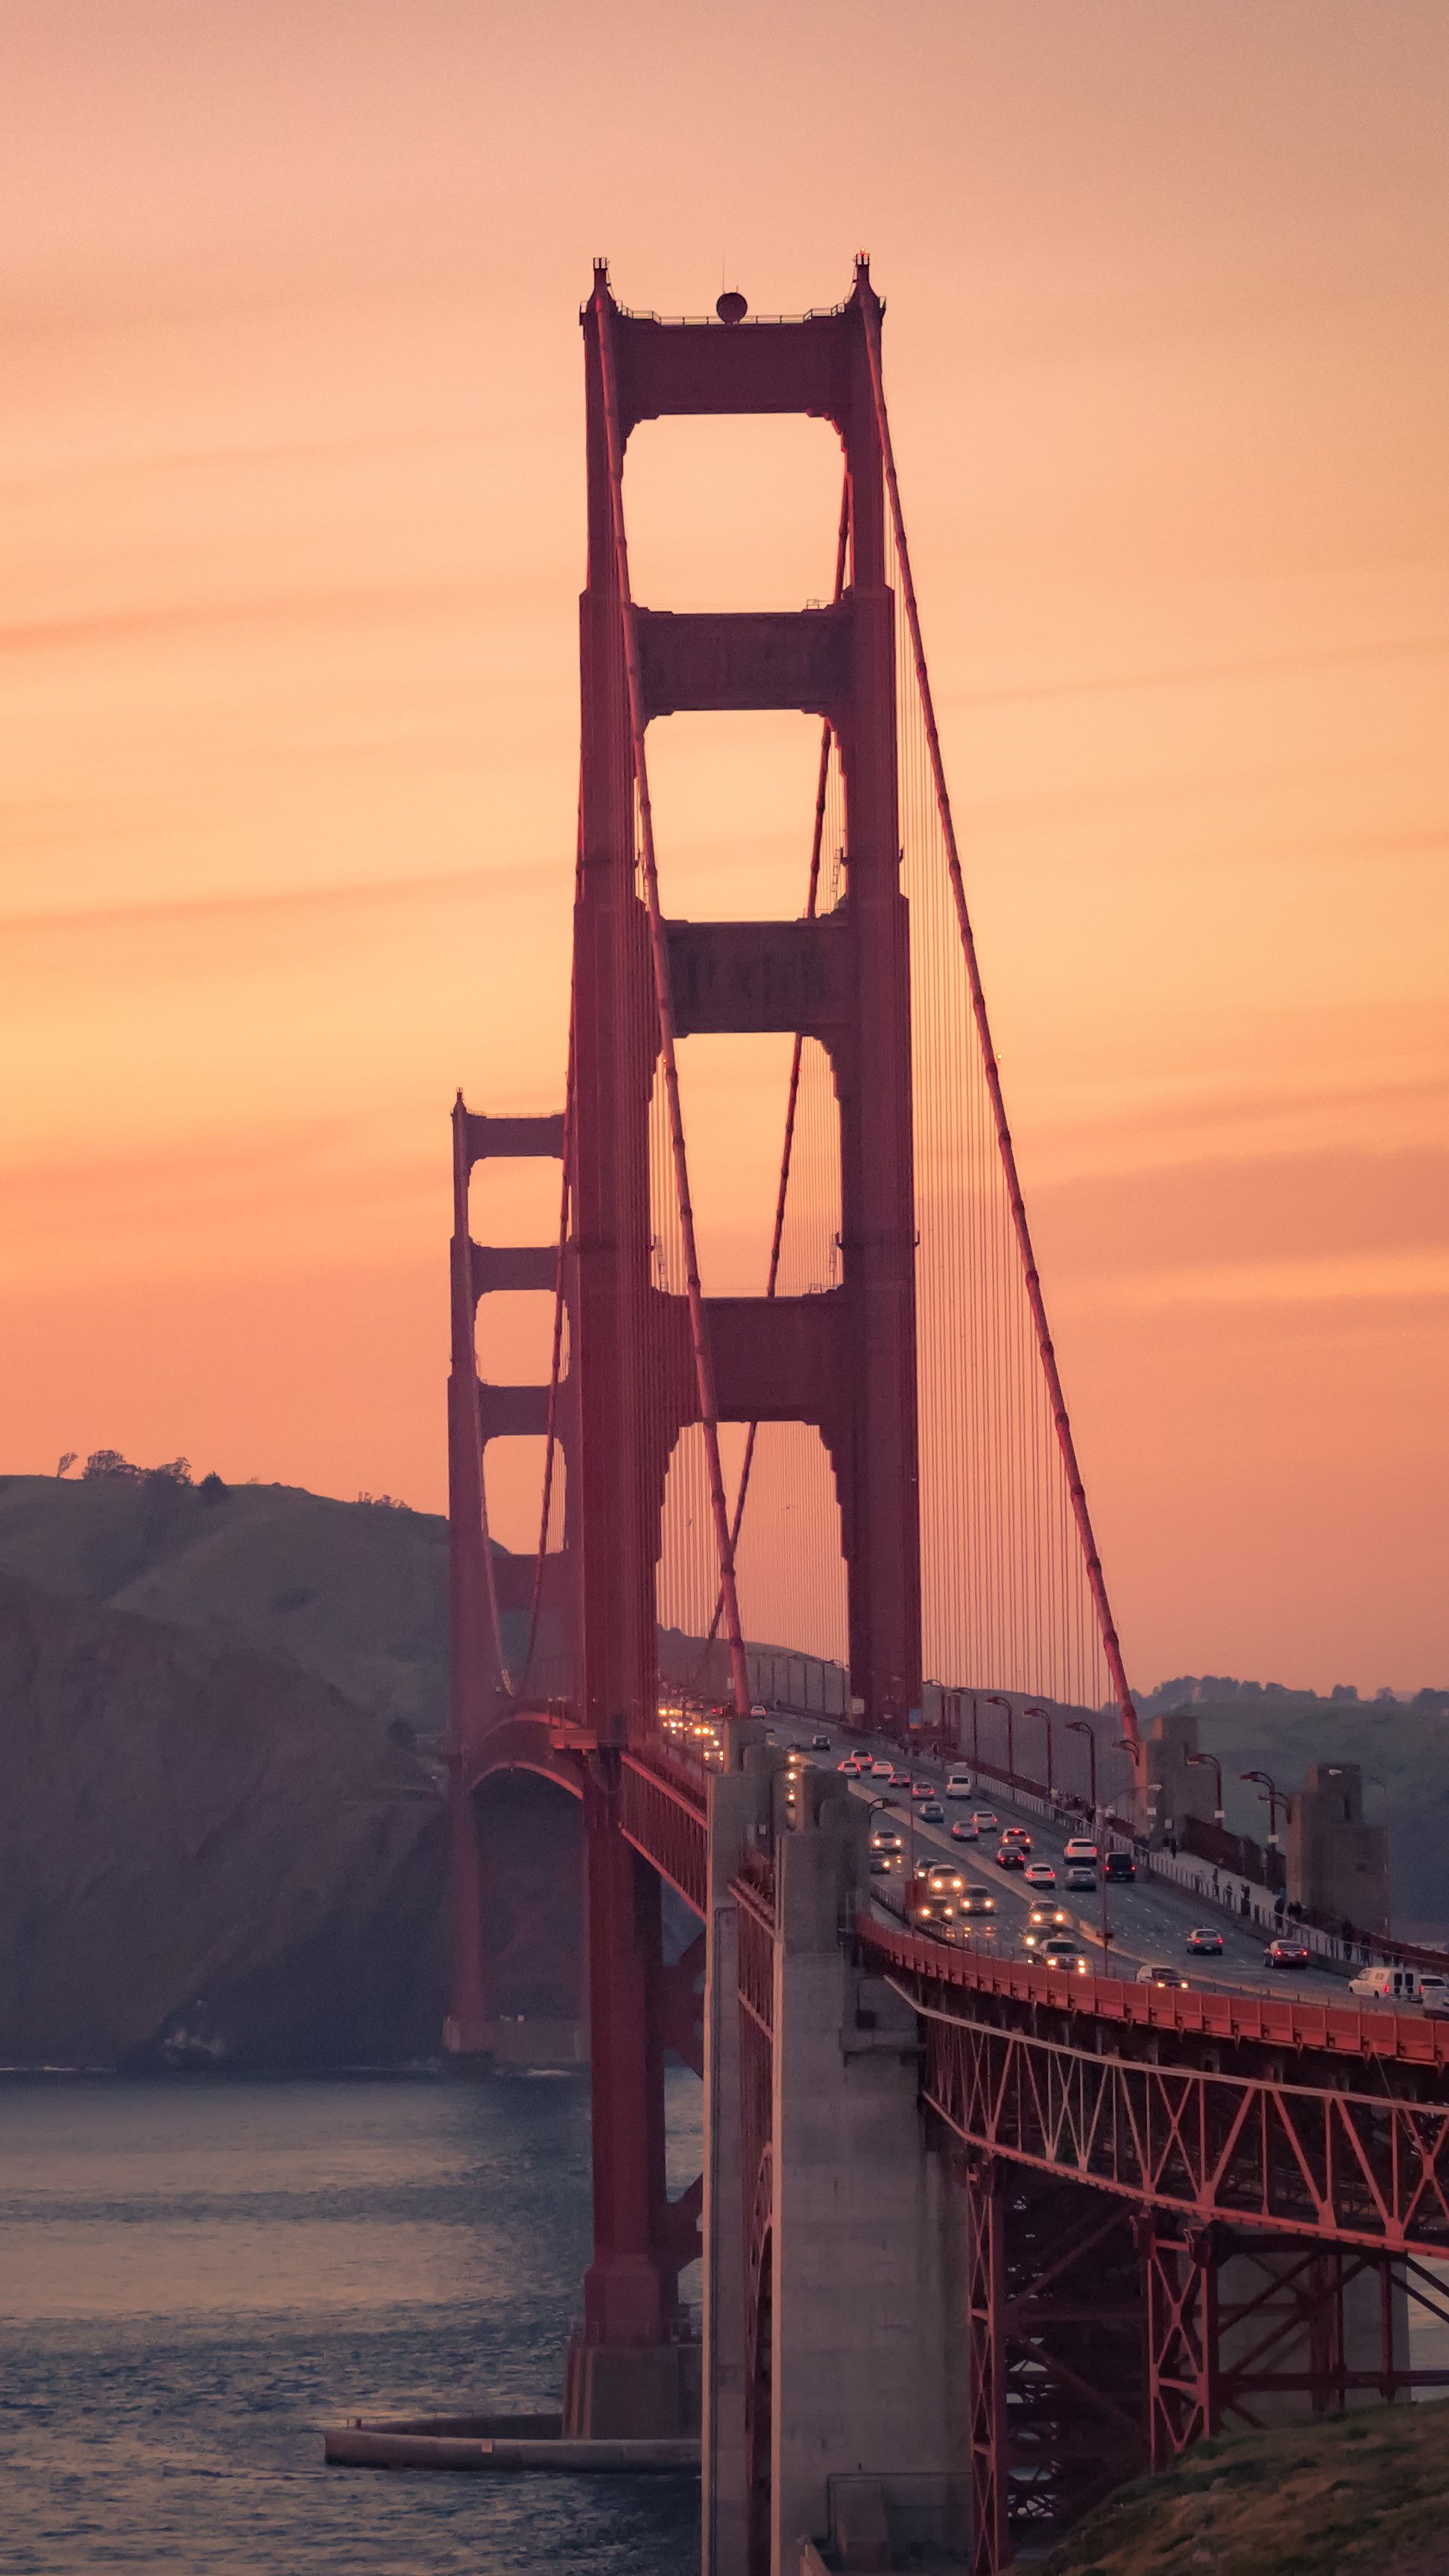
198	2272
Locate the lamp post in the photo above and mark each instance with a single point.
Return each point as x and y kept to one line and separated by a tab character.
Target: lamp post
1034	1708
1273	1801
1082	1726
1388	1884
1215	1766
994	1699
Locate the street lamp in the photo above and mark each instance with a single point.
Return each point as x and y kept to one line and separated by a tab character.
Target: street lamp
1273	1801
1034	1708
1212	1762
1388	1883
1083	1726
995	1700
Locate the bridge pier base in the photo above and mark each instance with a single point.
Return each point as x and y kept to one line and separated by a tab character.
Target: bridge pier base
834	2411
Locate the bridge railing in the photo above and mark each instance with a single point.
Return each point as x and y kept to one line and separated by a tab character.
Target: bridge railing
1199	2011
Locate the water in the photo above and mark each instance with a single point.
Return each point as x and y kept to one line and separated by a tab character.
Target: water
196	2274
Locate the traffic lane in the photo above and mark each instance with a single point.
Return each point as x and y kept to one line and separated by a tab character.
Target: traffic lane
1149	1919
1148	1922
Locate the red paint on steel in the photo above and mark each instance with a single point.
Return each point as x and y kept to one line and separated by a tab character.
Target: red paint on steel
664	1004
1273	2021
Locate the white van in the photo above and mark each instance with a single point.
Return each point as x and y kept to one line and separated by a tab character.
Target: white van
1421	1986
958	1783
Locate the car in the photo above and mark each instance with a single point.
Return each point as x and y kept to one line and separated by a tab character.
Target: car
1286	1953
959	1785
943	1873
882	1770
757	1708
879	1865
1081	1877
1080	1847
964	1830
1064	1950
975	1903
1119	1868
900	1779
1154	1972
1010	1856
1398	1985
985	1822
920	1789
819	1743
885	1839
1048	1918
933	1813
1204	1944
1017	1834
1040	1873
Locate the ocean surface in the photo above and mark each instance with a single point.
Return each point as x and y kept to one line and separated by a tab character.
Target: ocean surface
198	2272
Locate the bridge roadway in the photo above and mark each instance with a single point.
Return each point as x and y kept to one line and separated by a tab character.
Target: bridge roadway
1130	2215
1148	1919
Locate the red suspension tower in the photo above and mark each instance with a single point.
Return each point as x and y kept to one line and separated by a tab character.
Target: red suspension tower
647	1363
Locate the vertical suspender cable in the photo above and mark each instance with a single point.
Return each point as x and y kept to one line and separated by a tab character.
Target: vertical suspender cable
551	1427
1095	1577
664	999
812	899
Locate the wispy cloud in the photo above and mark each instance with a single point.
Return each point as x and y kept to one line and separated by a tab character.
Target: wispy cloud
1192	675
1337	1279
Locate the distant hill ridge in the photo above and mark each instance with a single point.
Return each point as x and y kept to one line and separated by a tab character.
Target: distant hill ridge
356	1593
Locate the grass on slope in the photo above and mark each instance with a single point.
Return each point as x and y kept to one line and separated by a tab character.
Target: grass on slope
1367	2492
353	1592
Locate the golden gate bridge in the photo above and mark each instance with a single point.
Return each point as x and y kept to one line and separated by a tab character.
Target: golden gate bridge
1146	2212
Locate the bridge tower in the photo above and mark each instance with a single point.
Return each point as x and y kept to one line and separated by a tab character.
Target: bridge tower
844	1361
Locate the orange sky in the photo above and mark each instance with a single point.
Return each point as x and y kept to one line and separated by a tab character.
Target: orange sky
290	507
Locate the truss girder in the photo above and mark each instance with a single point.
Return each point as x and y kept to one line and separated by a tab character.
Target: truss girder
1349	2167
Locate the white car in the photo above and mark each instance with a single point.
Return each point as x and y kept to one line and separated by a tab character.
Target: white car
985	1821
1039	1873
1081	1877
959	1785
1081	1847
1401	1986
881	1770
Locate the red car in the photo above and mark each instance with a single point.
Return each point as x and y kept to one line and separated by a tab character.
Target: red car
1287	1954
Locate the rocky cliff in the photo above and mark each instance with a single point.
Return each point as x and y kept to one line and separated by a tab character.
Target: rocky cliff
204	1852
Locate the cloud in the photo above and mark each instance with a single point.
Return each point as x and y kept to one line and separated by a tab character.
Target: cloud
1193	675
1336	1279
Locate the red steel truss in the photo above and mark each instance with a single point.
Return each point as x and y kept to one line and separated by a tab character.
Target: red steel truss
1301	2149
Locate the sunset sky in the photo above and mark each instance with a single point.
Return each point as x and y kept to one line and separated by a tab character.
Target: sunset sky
291	517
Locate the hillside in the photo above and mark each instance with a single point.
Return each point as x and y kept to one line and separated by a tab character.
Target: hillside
356	1593
198	1837
1404	1746
1362	2496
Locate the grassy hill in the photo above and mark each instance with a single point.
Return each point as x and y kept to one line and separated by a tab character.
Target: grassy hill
1363	2495
356	1593
196	1837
